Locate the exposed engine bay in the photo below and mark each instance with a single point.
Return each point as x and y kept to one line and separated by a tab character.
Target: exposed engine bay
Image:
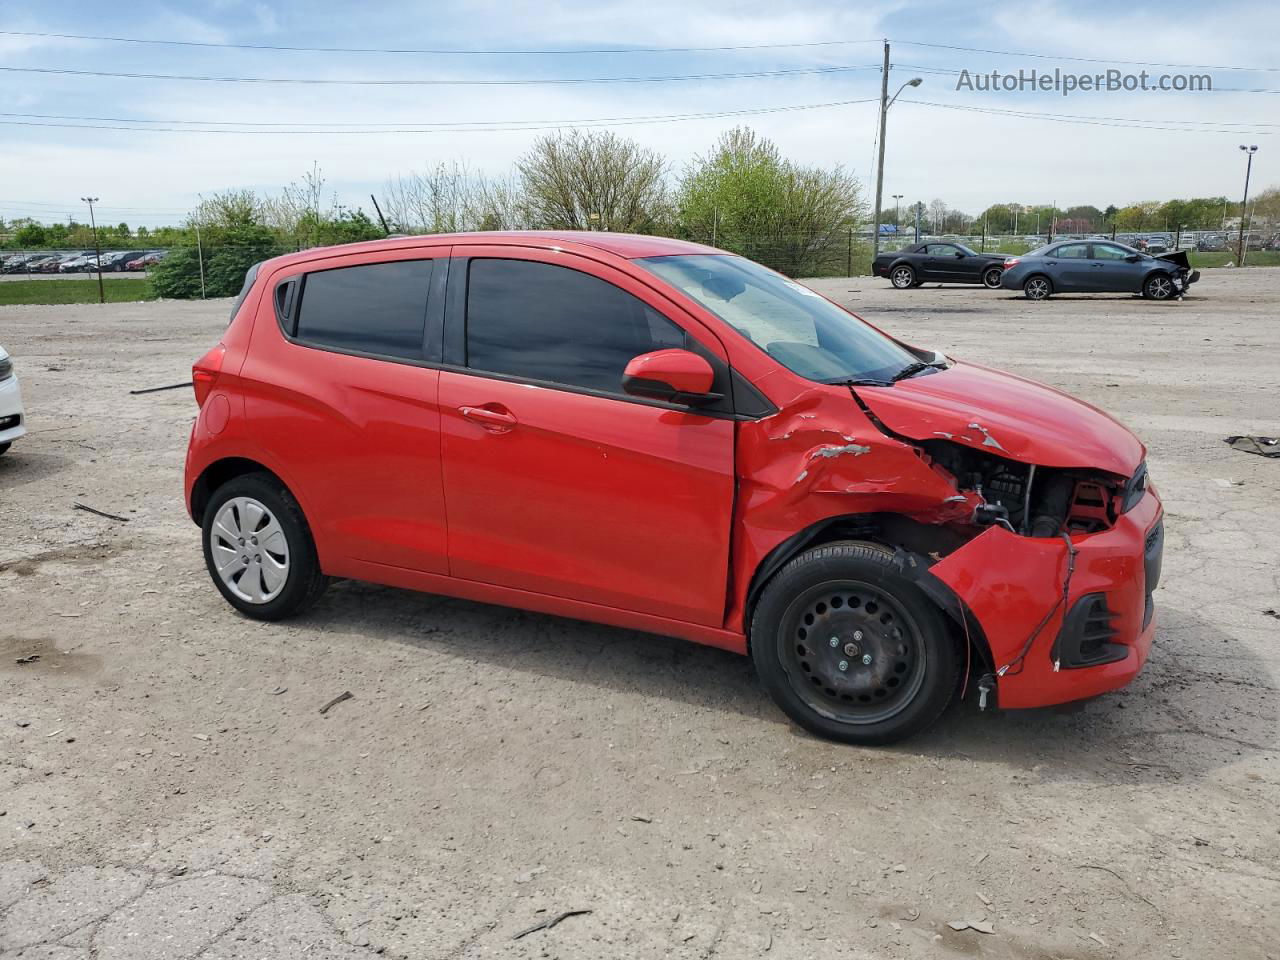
1031	501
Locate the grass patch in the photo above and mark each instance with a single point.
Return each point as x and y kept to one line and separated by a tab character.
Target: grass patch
115	289
1252	258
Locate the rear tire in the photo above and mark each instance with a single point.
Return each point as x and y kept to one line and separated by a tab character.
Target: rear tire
902	277
1037	288
900	664
1159	286
258	548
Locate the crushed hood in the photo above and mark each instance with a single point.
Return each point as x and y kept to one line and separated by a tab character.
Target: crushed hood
1005	415
1178	257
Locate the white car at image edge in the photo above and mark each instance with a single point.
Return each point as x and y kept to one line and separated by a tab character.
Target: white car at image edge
12	421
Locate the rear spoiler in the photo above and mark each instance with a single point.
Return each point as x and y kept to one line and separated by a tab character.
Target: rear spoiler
1178	257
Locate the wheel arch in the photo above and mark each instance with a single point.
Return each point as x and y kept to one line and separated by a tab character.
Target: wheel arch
221	471
912	542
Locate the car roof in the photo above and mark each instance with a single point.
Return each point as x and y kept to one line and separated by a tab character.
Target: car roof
629	245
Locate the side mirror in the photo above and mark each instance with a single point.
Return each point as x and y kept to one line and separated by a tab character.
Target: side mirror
959	254
676	376
1133	258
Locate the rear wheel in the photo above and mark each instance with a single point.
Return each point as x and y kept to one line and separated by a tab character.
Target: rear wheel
851	649
1037	288
991	277
1159	286
903	277
258	548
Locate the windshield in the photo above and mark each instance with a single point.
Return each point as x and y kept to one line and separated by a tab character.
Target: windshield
969	251
804	332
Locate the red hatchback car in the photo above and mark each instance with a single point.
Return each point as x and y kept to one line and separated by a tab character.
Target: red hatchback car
659	435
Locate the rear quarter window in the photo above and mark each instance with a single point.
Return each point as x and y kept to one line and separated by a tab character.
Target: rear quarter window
375	308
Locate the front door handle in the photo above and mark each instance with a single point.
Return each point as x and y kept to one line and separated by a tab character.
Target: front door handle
495	421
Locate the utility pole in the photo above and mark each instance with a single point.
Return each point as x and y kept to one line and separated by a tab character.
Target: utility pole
1249	152
885	103
896	218
884	116
200	257
97	246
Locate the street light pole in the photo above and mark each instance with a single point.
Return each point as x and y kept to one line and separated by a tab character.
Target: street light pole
1249	152
885	103
96	245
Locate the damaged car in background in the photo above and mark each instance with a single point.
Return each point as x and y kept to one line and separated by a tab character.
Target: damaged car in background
1098	267
662	436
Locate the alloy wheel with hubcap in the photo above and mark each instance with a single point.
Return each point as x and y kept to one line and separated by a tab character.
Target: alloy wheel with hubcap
902	277
249	549
992	277
258	548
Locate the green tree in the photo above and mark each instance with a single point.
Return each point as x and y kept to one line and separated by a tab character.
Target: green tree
31	235
745	197
593	179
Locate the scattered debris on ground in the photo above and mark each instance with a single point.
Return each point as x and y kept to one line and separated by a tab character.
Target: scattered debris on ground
1262	446
549	923
77	505
171	386
344	695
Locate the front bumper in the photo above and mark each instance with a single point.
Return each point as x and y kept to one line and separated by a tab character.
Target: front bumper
1009	582
13	423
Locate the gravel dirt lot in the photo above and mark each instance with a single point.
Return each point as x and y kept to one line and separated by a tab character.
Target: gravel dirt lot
168	788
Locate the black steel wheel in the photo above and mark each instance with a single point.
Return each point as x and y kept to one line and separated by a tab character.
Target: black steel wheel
850	648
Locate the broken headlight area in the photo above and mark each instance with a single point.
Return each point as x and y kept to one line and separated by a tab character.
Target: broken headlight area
1036	501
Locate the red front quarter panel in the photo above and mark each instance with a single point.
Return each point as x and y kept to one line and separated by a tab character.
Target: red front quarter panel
1010	582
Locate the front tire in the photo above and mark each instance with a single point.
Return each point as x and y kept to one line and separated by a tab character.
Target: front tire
902	277
991	278
1159	286
258	548
893	667
1037	288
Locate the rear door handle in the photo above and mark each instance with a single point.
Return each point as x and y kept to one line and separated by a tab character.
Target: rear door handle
495	421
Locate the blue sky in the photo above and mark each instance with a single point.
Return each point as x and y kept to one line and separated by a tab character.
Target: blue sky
968	158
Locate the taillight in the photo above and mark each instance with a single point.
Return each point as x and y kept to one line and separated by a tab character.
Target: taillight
204	373
1011	261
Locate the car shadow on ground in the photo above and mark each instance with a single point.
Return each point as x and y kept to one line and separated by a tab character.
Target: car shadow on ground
19	467
1174	722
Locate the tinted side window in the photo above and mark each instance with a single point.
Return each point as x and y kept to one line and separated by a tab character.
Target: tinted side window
378	308
1105	251
538	321
1073	251
941	250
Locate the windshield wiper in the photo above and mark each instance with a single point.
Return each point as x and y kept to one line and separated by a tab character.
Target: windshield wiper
861	382
911	369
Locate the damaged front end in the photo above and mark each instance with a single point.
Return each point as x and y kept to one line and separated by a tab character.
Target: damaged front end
1025	513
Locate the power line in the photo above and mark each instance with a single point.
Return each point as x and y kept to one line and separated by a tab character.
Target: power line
366	127
1054	56
437	51
512	127
1088	121
443	82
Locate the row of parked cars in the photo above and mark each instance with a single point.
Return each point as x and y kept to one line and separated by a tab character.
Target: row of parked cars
1064	266
80	261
